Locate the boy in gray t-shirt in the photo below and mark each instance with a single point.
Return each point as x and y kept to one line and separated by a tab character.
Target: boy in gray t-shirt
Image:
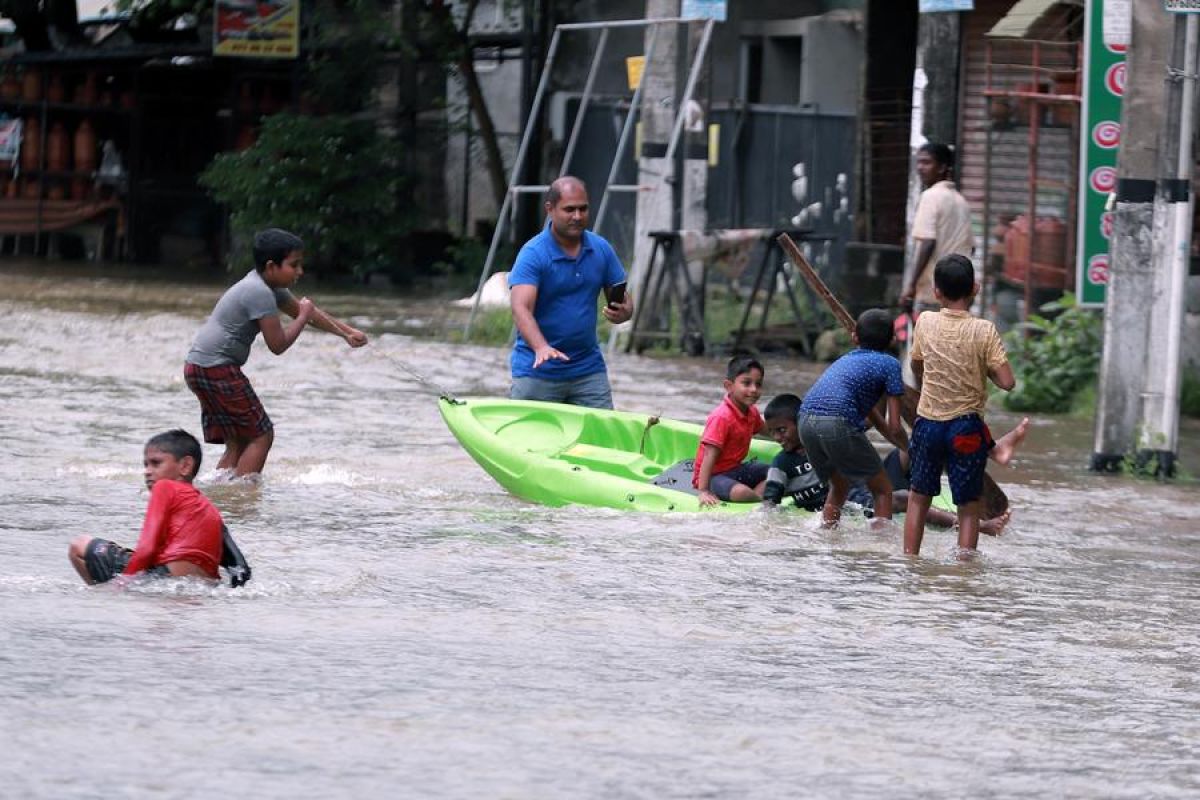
230	411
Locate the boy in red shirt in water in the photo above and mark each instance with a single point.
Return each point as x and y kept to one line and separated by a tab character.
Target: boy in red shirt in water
719	472
182	534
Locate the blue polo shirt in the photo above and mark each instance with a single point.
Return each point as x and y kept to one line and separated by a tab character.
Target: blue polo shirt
565	310
853	384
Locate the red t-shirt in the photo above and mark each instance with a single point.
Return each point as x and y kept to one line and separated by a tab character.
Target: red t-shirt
181	525
730	429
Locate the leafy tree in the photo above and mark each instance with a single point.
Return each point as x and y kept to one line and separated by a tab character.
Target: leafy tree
332	177
332	180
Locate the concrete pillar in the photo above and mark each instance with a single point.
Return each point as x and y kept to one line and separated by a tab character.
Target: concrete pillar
655	209
1131	248
1159	430
678	188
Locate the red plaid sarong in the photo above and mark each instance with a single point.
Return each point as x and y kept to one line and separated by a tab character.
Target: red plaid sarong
229	408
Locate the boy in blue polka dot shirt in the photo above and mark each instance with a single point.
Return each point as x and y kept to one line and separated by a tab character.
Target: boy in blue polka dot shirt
833	417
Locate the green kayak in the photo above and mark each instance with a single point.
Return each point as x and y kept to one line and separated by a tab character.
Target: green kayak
560	455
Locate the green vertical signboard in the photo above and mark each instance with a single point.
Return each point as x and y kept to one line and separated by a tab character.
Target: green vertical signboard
1100	138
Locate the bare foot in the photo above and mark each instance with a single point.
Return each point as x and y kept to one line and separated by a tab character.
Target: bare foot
995	526
880	525
1006	445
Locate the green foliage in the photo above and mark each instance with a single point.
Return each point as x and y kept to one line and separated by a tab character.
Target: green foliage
465	259
491	326
348	45
330	180
1053	357
1189	401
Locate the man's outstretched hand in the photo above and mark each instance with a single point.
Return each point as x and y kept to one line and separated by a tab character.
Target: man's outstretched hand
547	353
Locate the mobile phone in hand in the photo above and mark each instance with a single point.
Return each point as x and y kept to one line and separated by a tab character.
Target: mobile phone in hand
615	294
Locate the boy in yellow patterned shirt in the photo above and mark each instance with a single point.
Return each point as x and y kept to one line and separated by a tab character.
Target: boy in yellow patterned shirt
953	357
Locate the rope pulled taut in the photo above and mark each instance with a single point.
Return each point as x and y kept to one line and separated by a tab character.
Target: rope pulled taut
442	392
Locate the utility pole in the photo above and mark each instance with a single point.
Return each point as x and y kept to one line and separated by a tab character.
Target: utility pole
1131	248
674	183
939	49
1158	442
935	97
656	209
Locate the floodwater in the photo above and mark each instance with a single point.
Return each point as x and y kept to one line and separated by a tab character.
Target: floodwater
413	631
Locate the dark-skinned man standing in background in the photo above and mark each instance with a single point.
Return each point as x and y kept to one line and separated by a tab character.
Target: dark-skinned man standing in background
941	226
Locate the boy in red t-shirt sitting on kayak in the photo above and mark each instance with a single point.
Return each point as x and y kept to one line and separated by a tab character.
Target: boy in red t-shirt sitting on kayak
182	534
719	472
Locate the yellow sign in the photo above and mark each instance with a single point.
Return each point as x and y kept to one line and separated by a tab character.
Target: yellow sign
257	28
633	70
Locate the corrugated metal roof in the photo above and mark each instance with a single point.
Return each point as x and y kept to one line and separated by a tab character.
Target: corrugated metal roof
1024	15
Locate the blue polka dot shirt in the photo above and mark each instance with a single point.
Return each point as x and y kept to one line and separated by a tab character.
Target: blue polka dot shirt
853	384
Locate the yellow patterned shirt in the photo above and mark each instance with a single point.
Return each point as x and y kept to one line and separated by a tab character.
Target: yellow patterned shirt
957	351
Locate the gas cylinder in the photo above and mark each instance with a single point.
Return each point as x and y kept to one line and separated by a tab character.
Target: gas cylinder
10	87
56	92
87	92
31	145
85	147
1050	242
57	154
1016	249
31	86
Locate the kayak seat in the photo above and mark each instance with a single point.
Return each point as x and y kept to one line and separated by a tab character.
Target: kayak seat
611	461
538	432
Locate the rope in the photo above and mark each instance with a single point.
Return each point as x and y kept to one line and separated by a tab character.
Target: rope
442	392
650	423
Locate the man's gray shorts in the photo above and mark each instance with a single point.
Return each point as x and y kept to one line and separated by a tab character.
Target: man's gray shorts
592	390
836	444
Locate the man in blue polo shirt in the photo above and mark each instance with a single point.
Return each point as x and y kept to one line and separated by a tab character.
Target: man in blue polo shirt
555	282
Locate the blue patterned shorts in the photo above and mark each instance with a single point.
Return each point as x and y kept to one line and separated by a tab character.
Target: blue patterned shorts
959	446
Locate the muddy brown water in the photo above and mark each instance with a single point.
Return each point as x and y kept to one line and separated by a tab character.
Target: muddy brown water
414	631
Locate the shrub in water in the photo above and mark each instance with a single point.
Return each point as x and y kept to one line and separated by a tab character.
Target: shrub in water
1053	356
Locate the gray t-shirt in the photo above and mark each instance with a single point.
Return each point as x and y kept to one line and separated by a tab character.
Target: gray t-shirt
226	336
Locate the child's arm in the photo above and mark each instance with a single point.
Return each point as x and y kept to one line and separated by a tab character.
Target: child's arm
323	321
999	370
279	338
1003	377
154	531
889	424
711	453
776	483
